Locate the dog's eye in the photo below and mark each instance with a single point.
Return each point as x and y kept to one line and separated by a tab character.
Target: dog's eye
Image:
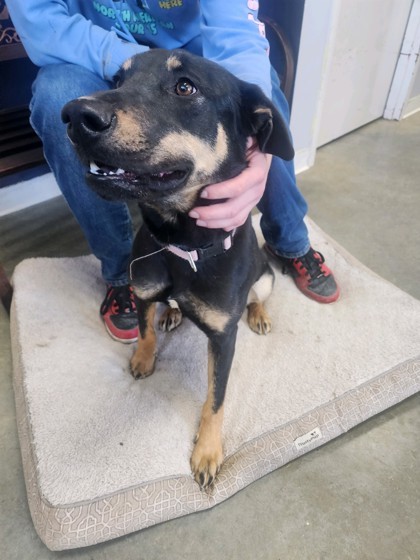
185	87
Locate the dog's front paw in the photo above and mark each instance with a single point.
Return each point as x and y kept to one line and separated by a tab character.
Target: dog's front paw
206	460
258	319
142	364
170	319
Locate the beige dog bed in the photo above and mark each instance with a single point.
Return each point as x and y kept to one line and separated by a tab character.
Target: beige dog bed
105	455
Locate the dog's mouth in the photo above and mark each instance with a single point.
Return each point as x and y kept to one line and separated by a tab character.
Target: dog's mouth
161	180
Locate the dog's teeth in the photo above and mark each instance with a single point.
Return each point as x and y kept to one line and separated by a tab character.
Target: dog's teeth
119	171
94	168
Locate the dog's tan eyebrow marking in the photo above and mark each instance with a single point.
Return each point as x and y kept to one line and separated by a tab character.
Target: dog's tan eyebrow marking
127	64
173	62
264	110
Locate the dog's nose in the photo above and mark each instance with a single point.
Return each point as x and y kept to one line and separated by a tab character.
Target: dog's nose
87	118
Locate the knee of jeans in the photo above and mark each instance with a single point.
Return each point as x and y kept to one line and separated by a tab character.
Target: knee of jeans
54	86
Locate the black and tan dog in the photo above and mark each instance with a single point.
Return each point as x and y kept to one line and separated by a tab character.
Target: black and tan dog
173	124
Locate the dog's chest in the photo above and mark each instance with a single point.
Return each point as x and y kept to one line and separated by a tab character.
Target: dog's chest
149	290
158	277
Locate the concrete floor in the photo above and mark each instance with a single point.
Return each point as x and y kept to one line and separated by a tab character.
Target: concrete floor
357	497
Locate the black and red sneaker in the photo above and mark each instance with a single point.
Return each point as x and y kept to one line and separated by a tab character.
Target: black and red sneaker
118	310
311	275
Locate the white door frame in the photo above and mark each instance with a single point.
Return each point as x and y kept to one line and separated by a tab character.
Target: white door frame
319	26
407	66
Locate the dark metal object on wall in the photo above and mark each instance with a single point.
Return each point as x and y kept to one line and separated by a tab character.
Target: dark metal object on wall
20	147
10	44
283	25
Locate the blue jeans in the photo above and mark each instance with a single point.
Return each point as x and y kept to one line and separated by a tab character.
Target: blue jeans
107	225
282	205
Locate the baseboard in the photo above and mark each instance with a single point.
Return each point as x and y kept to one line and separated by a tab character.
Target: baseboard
411	107
27	193
304	159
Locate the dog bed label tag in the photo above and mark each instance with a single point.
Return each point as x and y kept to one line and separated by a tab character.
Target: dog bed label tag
306	440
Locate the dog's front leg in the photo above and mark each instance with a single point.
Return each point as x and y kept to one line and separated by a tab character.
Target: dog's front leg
143	361
207	456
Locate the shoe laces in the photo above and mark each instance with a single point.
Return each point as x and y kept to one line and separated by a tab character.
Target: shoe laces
119	299
311	263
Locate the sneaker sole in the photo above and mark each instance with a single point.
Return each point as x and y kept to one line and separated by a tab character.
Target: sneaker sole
118	339
319	299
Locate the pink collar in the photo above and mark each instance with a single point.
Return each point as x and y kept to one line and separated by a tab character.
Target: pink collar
195	254
202	253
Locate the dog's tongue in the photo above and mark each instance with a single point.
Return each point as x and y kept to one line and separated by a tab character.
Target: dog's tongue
167	175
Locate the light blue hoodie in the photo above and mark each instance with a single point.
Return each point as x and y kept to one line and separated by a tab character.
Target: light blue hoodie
102	34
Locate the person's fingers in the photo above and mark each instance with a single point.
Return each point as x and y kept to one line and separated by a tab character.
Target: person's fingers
254	175
240	195
229	214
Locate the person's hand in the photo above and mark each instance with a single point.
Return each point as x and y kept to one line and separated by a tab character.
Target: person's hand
242	193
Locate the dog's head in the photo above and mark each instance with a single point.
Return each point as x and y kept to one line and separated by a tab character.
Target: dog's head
174	123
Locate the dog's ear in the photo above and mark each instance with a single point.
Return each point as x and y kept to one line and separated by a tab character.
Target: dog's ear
262	120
